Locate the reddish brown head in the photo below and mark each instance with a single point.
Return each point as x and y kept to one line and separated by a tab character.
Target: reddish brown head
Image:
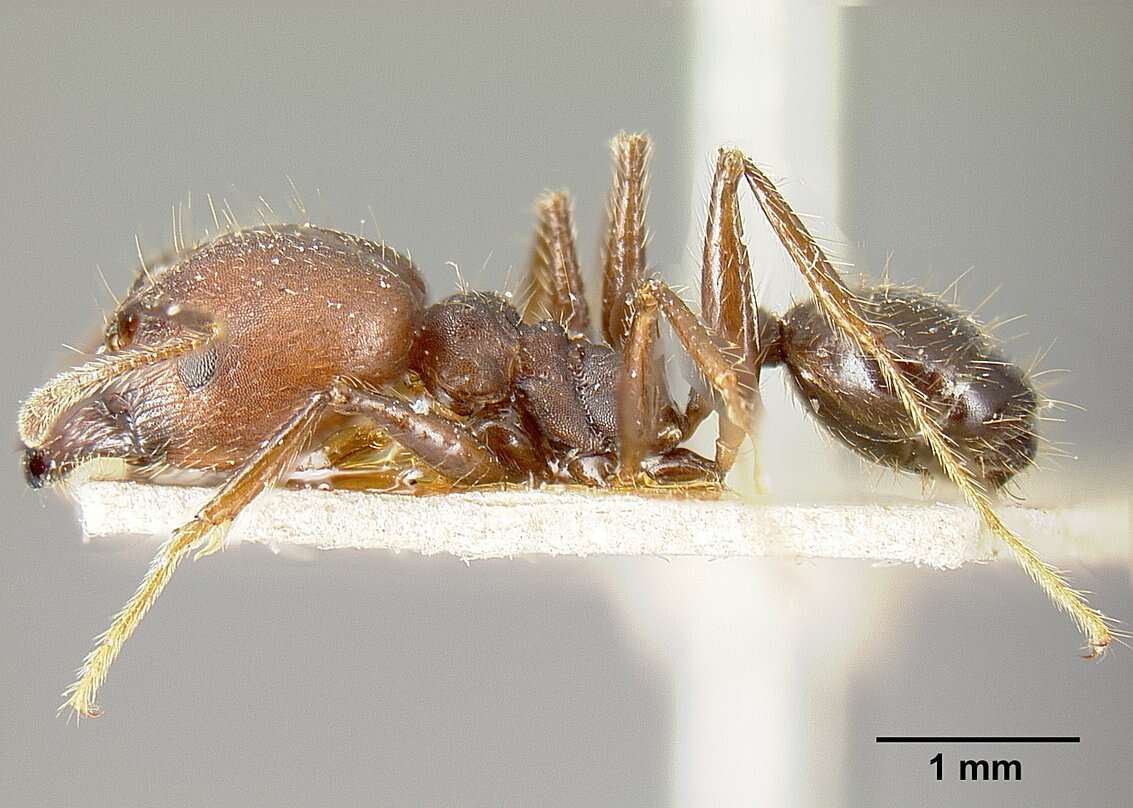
205	359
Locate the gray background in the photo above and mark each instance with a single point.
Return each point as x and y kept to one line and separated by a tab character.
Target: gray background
998	139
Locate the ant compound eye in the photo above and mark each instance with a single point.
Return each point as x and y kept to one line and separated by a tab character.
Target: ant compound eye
37	467
197	369
120	333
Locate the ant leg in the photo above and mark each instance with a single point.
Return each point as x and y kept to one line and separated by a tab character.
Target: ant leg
623	272
727	299
343	445
681	466
637	402
208	526
448	447
624	251
363	456
512	439
555	282
842	308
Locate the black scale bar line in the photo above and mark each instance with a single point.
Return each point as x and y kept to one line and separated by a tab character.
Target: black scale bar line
979	739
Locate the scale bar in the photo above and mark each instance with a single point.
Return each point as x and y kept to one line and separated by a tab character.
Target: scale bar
979	739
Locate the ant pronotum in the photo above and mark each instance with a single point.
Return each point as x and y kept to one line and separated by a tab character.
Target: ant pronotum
238	354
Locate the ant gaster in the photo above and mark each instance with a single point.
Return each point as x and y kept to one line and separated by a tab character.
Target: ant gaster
240	353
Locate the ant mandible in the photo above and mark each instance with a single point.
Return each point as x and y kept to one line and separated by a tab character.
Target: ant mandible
238	354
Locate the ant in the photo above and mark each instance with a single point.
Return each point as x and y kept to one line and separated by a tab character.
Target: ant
235	356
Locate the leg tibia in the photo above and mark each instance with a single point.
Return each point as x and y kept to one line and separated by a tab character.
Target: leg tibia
624	260
718	361
556	288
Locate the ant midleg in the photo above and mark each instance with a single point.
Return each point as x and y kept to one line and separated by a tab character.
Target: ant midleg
650	421
623	264
711	357
555	290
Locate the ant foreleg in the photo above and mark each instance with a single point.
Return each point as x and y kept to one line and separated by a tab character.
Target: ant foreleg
208	527
449	447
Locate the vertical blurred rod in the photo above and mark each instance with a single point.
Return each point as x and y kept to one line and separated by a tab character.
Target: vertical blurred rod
759	714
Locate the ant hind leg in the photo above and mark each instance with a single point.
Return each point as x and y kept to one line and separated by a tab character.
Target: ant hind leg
841	307
727	296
